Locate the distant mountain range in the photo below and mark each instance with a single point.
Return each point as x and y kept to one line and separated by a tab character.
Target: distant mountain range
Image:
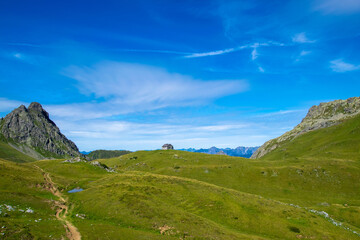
245	152
85	152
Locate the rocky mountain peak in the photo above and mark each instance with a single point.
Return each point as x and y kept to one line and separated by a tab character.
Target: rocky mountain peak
337	109
319	116
21	108
31	131
35	106
36	109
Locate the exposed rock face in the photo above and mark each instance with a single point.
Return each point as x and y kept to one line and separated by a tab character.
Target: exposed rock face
31	131
321	116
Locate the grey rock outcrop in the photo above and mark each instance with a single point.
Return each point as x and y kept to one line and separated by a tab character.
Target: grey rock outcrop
74	160
320	116
101	165
31	131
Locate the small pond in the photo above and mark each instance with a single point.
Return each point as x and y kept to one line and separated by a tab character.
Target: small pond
75	190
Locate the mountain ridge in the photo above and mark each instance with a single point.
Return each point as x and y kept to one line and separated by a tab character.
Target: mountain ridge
234	152
103	154
32	132
319	116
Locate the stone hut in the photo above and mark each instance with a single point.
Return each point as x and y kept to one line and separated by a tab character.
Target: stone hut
167	146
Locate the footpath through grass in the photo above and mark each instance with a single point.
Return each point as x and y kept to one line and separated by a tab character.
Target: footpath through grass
25	205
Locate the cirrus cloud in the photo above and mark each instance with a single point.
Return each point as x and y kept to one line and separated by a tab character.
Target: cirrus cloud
337	7
301	38
121	88
8	104
339	65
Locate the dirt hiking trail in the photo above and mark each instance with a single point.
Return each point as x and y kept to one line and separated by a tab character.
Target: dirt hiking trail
62	209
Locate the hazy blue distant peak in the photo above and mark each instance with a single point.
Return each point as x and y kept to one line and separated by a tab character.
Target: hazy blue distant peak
236	152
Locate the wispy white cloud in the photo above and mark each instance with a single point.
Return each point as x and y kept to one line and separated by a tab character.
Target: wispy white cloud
302	54
124	87
18	55
253	46
25	58
235	17
136	84
223	127
92	110
301	38
107	49
90	134
8	105
339	65
109	134
337	6
152	51
284	112
21	44
213	53
254	54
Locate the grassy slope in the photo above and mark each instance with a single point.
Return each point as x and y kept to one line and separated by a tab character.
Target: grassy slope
72	175
9	153
134	205
319	169
106	154
340	142
306	182
21	188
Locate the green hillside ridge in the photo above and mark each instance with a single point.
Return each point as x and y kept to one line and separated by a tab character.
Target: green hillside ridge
321	116
97	154
9	153
306	182
278	179
341	142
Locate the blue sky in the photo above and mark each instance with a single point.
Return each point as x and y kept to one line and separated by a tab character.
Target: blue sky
137	74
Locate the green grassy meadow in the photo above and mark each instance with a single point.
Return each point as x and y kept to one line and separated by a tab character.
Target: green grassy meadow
29	214
341	142
133	203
